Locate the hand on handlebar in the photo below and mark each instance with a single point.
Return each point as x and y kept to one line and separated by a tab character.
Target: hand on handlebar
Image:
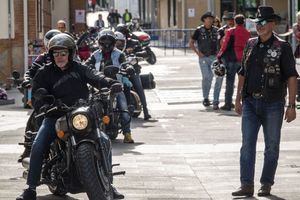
26	83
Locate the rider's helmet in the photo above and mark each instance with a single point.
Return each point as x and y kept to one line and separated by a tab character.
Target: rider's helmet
218	68
123	29
107	40
49	35
62	41
120	41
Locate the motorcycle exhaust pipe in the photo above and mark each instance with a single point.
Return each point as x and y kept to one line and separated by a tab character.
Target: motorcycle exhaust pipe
25	163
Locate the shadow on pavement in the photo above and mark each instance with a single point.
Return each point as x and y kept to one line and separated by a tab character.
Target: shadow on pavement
120	148
250	198
272	197
53	197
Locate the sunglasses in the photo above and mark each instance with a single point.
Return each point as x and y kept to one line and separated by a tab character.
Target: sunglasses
60	53
263	22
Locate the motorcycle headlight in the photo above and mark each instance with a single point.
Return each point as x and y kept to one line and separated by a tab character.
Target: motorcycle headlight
80	122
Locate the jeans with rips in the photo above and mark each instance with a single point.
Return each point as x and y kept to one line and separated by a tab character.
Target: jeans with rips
207	77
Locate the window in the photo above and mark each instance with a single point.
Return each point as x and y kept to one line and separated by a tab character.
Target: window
7	20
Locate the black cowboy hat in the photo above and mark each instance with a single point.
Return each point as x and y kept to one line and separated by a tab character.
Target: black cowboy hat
227	16
207	14
266	13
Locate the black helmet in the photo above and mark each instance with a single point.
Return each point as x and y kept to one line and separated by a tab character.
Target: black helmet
49	35
120	41
123	29
107	40
218	68
62	41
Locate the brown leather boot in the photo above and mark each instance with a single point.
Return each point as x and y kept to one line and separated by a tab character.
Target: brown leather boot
244	190
264	191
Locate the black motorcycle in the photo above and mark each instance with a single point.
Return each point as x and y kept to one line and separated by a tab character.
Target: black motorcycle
79	160
113	127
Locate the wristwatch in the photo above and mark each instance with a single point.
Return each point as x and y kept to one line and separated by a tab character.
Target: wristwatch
291	106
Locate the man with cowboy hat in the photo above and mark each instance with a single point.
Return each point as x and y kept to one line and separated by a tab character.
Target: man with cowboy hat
206	37
268	69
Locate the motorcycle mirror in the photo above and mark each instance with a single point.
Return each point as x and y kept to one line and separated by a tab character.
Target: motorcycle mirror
15	74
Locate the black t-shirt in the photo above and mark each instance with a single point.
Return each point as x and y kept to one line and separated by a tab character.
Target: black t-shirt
255	64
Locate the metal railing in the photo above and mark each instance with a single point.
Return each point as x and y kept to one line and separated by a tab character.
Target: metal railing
170	39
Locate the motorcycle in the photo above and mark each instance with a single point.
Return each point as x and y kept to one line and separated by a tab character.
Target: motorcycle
25	89
144	39
113	127
78	161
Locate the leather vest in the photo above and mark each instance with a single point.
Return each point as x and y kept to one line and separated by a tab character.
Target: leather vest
273	87
208	40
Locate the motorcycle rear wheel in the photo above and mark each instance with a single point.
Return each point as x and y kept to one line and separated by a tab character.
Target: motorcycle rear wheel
92	175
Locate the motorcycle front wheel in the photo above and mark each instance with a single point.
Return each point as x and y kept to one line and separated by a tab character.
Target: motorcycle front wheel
151	57
92	175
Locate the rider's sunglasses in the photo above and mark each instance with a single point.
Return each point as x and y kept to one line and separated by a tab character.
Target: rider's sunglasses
60	53
263	22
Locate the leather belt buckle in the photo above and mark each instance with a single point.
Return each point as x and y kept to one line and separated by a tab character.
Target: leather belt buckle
257	95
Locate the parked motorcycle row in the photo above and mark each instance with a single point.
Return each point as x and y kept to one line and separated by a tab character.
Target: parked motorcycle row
80	159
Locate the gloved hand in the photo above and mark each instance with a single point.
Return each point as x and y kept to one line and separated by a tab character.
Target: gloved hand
130	70
26	83
116	87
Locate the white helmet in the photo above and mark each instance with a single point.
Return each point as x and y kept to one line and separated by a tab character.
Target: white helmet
218	68
120	41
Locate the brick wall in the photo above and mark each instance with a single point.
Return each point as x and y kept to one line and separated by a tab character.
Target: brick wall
12	53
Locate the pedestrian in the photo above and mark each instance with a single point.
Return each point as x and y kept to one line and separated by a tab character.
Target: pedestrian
231	53
99	23
62	27
268	69
117	17
228	18
111	18
206	37
127	16
296	30
217	22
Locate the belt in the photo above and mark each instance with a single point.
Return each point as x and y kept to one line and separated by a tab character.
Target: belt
257	95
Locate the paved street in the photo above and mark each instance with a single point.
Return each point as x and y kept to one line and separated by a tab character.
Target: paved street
187	152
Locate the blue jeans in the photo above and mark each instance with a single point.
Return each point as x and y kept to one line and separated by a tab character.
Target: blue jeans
256	113
125	117
45	136
207	77
231	68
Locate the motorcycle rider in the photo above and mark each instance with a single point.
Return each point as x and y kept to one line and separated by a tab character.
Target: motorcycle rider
39	62
107	55
121	44
59	78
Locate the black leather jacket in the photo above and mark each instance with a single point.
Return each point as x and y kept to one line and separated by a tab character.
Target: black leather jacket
68	85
